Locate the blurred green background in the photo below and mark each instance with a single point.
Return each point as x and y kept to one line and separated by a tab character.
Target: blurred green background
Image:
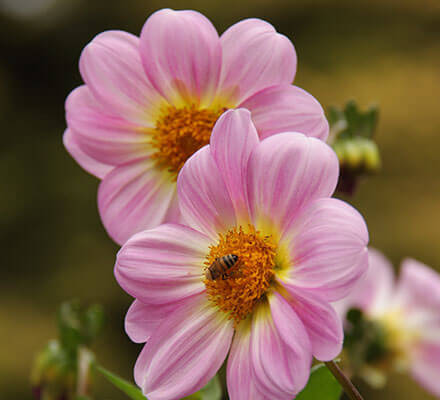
53	245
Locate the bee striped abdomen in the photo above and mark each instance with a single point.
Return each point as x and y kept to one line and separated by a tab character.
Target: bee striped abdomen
221	266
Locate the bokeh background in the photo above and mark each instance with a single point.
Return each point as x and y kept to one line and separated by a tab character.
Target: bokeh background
53	245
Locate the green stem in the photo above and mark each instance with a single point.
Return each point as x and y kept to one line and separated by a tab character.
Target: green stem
346	384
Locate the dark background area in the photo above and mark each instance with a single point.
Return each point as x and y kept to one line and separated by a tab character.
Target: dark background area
53	245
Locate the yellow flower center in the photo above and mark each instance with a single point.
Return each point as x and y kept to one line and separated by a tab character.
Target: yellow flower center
400	338
245	284
180	132
391	350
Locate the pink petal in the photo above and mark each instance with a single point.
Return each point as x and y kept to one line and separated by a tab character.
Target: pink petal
376	288
142	320
134	197
417	295
232	141
425	367
373	291
255	56
107	138
185	351
295	337
92	166
418	286
163	265
270	357
240	376
321	321
328	248
204	200
286	172
181	54
173	214
286	108
111	67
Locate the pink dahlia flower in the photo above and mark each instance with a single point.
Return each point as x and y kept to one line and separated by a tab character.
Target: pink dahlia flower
409	313
268	204
149	103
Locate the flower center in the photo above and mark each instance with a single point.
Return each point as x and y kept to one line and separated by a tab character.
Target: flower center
180	132
399	337
242	286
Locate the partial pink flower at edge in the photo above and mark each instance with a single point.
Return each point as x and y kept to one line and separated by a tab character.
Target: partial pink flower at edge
409	309
149	103
268	202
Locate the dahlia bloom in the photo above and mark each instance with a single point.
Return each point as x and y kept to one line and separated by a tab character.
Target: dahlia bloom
268	203
149	103
408	313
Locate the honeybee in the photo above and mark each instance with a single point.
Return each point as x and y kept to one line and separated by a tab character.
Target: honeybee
221	266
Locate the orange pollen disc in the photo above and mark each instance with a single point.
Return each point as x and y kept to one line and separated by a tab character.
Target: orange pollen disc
242	287
180	132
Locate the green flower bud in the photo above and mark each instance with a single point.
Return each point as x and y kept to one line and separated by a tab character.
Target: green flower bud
57	376
359	156
63	369
53	374
351	136
353	155
372	162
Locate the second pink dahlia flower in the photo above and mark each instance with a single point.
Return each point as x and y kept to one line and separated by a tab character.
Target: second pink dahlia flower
407	315
149	103
268	203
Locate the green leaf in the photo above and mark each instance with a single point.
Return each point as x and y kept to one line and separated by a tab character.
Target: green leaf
334	115
322	385
128	388
371	119
78	326
352	114
69	325
351	122
93	321
211	391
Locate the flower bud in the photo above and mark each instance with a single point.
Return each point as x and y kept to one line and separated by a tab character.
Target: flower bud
62	370
53	374
372	162
358	156
353	154
351	136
